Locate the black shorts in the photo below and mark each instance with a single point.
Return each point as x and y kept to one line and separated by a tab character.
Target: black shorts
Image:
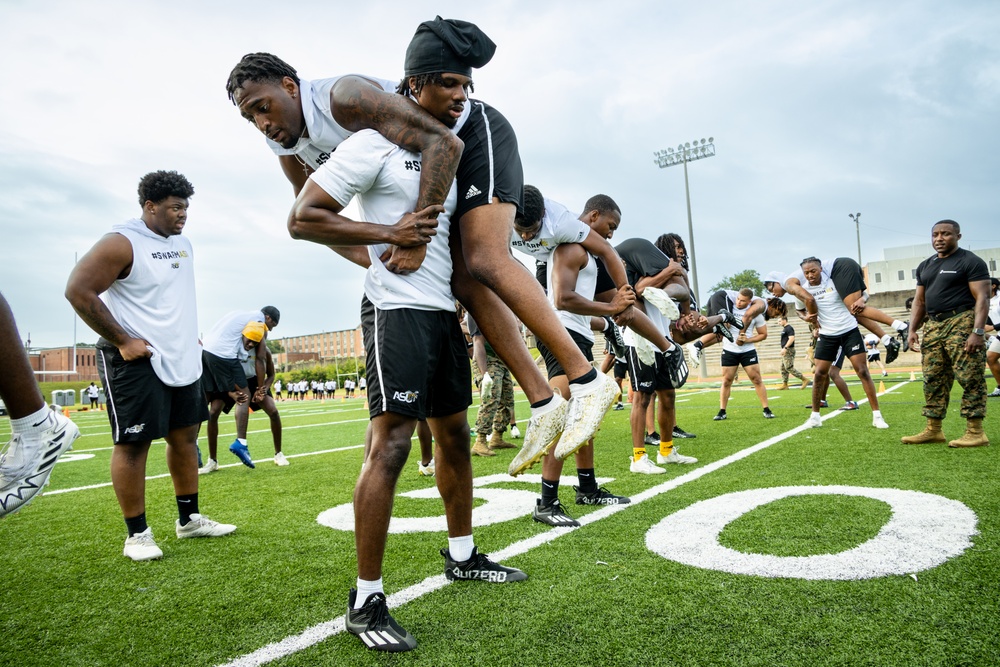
490	165
421	367
621	370
542	274
252	388
552	366
647	379
847	277
220	376
140	407
875	357
719	301
828	347
743	359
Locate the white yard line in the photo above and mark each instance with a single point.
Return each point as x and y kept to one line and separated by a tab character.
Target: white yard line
321	631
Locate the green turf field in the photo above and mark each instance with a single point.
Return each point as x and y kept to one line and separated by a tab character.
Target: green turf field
889	555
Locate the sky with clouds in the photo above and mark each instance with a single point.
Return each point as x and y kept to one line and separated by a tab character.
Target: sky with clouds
817	109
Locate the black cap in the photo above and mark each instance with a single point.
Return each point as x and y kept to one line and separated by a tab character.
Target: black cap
271	312
448	45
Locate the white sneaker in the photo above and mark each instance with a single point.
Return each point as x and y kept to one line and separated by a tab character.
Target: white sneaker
645	467
516	434
26	462
878	422
280	460
645	350
540	434
142	547
693	355
426	470
814	421
662	302
211	466
202	526
586	412
995	393
674	457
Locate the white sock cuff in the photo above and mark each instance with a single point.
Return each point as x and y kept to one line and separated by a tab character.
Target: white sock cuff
27	424
898	325
885	339
365	589
461	548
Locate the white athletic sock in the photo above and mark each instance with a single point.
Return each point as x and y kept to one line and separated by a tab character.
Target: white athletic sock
365	589
243	441
885	339
898	325
461	548
876	413
816	414
36	422
548	407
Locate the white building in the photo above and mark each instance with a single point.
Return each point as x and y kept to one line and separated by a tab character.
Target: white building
898	269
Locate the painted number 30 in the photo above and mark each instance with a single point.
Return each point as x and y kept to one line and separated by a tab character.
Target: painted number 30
924	531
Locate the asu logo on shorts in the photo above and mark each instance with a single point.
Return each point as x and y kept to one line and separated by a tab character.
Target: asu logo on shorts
406	396
136	429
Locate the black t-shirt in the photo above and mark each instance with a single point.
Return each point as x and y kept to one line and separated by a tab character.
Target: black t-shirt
642	259
946	280
787	333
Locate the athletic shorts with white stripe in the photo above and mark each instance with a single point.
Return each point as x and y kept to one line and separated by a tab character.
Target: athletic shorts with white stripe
140	407
417	363
491	164
648	379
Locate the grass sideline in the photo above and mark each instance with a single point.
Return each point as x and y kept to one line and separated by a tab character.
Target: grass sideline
596	595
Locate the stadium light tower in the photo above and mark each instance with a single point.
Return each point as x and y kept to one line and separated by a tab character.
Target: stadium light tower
687	152
856	217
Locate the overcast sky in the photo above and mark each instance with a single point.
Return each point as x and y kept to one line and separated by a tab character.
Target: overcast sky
817	109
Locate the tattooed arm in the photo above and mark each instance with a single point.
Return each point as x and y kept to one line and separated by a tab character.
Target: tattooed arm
358	104
109	260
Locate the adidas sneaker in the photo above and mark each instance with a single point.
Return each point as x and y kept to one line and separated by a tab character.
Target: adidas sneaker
552	515
600	497
479	567
373	625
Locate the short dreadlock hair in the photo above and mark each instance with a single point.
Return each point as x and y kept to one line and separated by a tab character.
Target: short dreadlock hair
158	185
257	67
421	80
668	245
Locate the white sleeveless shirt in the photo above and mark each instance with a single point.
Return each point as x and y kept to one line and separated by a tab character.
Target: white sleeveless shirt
586	286
156	302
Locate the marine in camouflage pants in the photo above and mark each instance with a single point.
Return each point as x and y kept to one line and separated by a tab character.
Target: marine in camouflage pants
788	364
944	360
498	407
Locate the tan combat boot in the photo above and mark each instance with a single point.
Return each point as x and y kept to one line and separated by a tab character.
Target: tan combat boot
931	433
784	385
497	441
481	448
805	382
974	435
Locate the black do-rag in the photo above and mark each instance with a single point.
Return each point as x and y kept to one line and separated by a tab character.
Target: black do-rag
448	45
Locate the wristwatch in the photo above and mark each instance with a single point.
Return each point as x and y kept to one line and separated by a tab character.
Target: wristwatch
979	332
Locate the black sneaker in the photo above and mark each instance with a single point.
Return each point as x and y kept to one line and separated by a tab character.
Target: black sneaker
600	497
681	433
891	350
729	318
614	337
479	567
375	627
677	368
724	331
552	515
904	336
719	417
768	414
652	439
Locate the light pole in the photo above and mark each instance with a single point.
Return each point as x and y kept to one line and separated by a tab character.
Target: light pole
688	152
856	217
